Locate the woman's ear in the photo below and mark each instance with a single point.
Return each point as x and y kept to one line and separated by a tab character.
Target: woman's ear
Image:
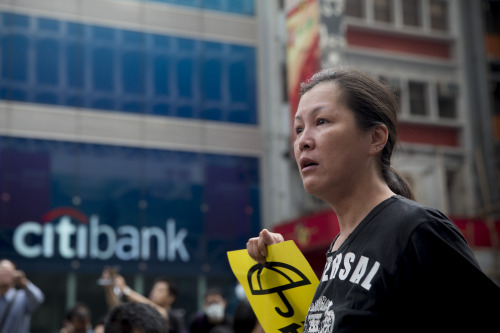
379	137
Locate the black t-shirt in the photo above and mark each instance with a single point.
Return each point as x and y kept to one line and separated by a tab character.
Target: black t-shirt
405	268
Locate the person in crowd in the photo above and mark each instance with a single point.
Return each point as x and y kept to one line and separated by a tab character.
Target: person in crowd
99	326
19	298
162	296
77	320
396	265
222	329
213	314
135	317
245	320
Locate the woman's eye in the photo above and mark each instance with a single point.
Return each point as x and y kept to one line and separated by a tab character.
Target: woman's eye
298	130
321	121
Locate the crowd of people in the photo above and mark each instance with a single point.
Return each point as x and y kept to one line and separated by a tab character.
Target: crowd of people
129	311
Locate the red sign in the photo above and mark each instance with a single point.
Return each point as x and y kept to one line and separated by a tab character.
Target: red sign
317	231
311	232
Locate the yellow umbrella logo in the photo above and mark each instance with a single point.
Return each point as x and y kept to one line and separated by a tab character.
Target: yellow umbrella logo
281	290
276	277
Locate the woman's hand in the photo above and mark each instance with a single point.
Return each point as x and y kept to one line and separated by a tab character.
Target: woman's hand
120	282
257	246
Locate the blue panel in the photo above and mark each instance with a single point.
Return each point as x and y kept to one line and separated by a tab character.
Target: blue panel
46	98
162	42
48	25
15	20
104	34
74	65
133	72
75	101
102	69
136	107
103	103
75	29
185	44
212	114
213	47
161	109
238	82
133	37
212	80
15	57
47	62
185	112
212	4
243	7
185	77
240	116
13	94
161	75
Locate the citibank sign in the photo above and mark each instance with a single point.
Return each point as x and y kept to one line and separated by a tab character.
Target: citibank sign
90	239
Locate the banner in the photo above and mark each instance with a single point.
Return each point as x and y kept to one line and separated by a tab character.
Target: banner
302	49
279	291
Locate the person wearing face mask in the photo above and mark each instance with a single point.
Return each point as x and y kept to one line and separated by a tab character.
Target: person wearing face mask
213	314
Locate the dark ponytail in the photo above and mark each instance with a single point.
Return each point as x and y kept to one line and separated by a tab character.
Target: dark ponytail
373	103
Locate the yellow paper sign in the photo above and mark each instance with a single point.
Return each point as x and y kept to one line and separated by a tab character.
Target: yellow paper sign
280	291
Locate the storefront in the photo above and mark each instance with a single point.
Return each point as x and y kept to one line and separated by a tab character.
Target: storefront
68	210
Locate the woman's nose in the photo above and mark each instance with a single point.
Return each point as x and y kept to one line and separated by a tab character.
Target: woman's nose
305	140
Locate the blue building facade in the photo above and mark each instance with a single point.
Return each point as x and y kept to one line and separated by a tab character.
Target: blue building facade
72	203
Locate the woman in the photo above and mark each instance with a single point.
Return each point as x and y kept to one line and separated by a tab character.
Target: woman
395	266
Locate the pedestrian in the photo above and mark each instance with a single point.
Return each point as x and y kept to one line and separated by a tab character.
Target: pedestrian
396	265
19	298
213	314
135	317
77	320
162	296
99	326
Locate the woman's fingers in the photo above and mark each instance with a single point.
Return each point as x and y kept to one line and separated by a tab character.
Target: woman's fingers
257	246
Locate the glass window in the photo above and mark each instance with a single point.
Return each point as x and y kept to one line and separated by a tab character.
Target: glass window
382	10
418	98
395	86
447	93
411	13
355	8
438	14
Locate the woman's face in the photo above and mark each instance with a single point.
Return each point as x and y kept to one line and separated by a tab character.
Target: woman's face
330	150
160	293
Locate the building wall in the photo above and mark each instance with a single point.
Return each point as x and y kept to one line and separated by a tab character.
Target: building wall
130	137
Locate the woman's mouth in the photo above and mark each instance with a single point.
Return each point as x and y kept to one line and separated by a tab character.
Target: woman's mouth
307	164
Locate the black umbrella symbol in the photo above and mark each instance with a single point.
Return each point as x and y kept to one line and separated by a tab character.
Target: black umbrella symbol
259	286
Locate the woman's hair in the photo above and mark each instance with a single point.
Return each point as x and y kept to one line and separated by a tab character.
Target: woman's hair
244	319
373	103
133	317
